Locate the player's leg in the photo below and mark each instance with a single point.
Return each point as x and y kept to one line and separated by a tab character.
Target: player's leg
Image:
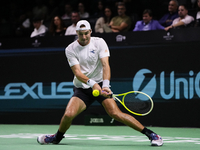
74	107
113	110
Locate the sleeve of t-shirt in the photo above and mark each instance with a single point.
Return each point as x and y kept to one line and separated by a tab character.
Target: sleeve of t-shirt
71	58
127	20
163	19
159	26
137	26
188	20
104	51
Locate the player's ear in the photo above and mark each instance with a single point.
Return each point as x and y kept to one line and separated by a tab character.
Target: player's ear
90	30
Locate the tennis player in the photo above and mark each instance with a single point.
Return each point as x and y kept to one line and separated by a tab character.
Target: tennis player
88	58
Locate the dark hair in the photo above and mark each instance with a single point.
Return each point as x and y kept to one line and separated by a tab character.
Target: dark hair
148	11
76	12
198	8
184	5
37	19
175	2
121	4
112	14
82	26
52	27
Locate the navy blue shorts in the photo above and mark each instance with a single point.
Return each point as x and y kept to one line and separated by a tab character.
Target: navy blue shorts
86	96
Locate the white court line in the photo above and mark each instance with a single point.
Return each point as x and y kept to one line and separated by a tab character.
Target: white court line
108	137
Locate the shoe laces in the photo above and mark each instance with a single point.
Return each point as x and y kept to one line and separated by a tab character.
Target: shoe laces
154	136
50	138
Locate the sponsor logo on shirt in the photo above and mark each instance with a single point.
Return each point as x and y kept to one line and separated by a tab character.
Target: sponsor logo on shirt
92	51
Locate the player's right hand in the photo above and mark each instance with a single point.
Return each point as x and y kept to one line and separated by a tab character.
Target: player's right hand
106	92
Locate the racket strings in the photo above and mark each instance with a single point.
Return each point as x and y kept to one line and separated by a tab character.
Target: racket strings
134	102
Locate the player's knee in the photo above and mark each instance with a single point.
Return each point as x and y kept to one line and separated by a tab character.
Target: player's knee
113	114
69	115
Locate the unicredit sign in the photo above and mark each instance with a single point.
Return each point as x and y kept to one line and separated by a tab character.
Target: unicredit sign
168	86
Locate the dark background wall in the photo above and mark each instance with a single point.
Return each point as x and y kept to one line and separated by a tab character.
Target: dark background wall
36	81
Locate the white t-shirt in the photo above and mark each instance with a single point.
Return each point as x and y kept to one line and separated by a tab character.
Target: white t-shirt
187	20
71	30
89	59
26	23
66	16
84	15
198	15
42	29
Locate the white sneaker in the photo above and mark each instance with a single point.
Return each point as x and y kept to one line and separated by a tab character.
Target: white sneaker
156	140
46	139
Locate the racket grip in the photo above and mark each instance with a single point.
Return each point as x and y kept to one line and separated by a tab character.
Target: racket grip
109	96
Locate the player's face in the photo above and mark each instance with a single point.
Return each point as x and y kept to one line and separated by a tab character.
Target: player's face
84	37
172	6
146	18
182	11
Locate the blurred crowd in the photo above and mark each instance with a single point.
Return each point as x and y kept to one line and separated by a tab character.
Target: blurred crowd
31	18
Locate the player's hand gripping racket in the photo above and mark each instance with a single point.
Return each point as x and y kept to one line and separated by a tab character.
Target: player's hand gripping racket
136	102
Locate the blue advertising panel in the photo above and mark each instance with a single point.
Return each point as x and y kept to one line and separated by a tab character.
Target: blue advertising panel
36	82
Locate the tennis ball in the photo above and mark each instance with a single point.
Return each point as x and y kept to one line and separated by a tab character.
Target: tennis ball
95	93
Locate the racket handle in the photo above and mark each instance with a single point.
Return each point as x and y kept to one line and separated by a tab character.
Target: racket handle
110	96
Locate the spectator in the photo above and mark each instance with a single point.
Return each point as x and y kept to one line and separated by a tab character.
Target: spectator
71	30
183	20
57	27
25	26
53	10
104	21
148	23
172	14
68	12
99	9
40	9
197	23
82	11
39	28
66	17
119	23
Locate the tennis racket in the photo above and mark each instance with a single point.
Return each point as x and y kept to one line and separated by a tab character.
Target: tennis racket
136	102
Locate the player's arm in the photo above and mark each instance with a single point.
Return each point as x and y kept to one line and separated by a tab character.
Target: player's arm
106	74
80	76
83	78
106	68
